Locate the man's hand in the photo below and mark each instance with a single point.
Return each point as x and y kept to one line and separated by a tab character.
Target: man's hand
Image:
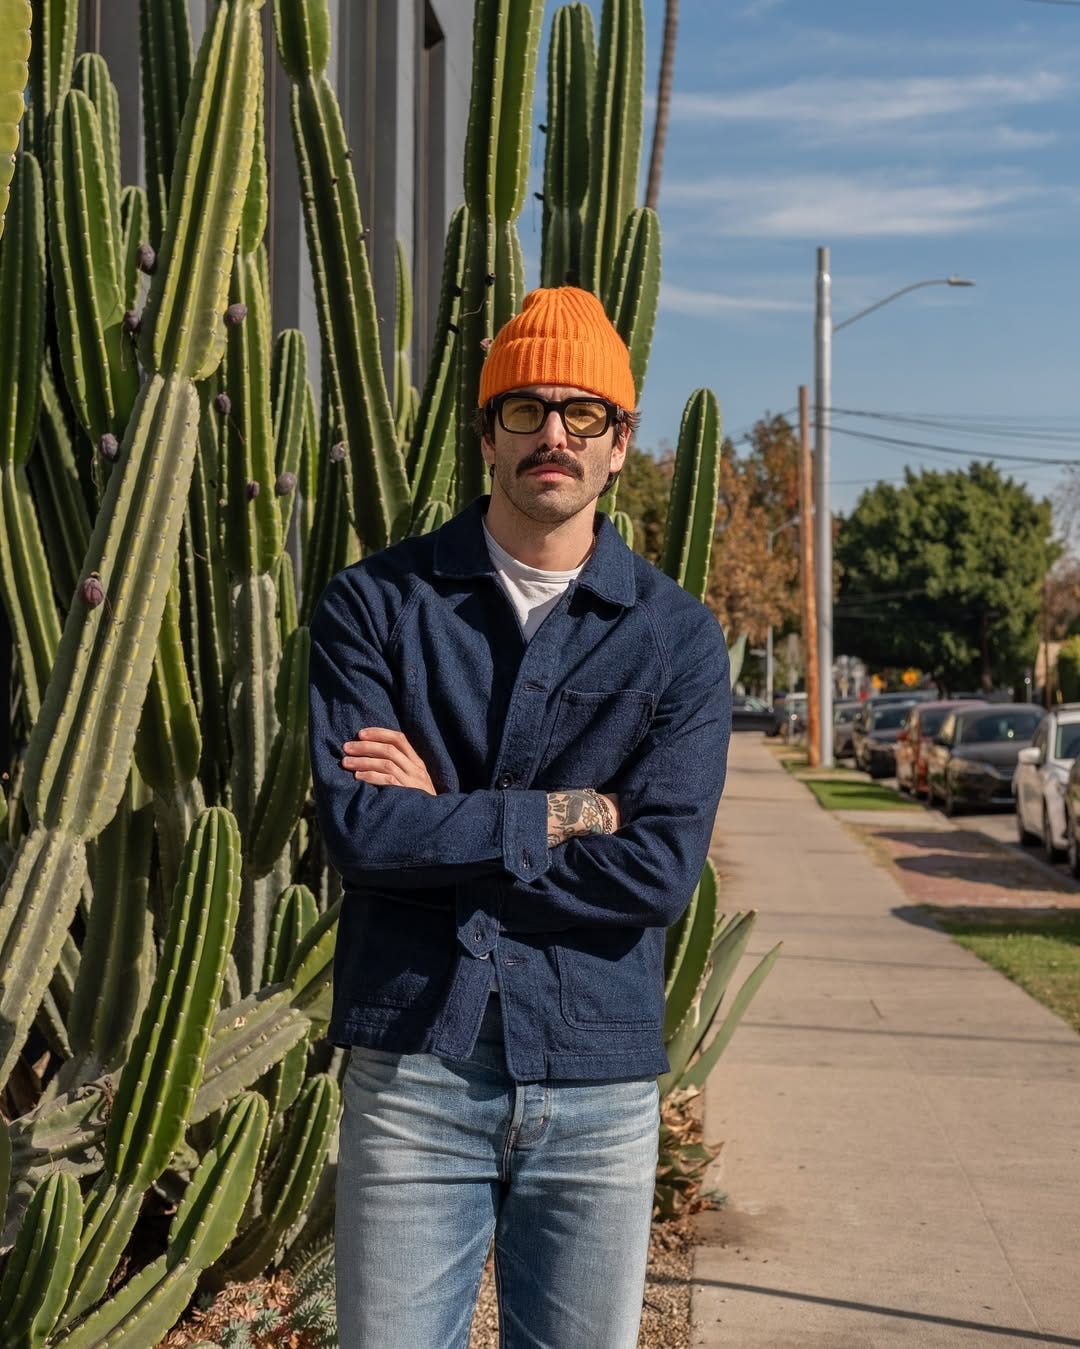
386	759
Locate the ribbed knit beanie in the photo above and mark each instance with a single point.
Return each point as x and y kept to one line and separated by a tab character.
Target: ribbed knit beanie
561	336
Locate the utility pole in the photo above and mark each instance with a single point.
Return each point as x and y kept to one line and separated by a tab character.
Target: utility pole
823	567
806	580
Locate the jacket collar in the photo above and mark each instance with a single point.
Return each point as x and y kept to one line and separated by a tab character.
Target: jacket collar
461	550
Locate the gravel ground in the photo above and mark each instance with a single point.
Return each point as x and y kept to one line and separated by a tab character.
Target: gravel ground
665	1320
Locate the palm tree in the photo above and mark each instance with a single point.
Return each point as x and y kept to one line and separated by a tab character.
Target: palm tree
663	102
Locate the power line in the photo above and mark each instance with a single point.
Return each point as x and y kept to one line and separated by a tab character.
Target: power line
899	443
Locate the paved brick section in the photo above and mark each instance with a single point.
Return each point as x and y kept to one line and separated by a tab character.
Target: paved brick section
900	1124
954	867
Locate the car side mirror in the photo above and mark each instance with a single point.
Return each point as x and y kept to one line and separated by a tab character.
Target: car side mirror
1031	755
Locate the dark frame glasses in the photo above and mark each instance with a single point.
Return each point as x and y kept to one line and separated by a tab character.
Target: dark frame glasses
589	407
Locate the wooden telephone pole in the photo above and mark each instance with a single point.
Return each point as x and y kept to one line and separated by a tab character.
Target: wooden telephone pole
814	731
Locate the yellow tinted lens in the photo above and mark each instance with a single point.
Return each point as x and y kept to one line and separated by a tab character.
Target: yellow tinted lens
586	418
522	414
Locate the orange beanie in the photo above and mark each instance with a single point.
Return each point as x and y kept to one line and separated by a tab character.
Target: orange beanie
561	336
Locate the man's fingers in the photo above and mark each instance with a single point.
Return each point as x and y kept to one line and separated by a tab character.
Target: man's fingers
372	736
379	758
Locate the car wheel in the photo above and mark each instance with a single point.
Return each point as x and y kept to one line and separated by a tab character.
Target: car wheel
1024	836
1050	848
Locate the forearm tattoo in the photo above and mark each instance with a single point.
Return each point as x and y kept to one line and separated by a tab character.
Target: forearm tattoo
573	813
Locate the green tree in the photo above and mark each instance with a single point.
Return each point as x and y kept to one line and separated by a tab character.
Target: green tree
644	493
945	573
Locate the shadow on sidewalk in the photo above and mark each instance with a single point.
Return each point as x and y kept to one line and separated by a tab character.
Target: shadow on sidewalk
900	1313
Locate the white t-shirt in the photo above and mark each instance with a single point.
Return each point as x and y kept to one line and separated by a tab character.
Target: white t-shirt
532	592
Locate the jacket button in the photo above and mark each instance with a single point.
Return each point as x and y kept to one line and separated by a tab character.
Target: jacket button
526	858
478	936
506	780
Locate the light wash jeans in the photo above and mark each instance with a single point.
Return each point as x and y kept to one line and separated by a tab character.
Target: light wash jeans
437	1155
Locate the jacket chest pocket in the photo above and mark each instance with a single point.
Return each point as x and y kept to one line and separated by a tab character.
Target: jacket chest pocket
593	735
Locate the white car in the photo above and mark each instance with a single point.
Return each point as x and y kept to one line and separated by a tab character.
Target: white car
1042	773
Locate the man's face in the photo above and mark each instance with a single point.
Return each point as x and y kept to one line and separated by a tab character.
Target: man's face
548	474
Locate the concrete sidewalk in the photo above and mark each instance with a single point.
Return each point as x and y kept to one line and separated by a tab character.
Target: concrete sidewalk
901	1124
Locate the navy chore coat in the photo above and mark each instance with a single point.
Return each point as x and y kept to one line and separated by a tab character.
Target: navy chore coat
624	688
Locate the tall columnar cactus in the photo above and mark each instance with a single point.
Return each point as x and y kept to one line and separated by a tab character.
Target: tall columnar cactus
571	91
24	571
40	1268
688	537
615	139
52	49
406	396
15	21
80	749
165	59
505	44
348	324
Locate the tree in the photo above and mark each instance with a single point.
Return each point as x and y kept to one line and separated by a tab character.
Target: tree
644	493
945	573
752	587
663	103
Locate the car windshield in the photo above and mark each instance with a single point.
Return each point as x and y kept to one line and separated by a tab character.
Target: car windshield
1067	744
844	715
892	715
994	727
930	722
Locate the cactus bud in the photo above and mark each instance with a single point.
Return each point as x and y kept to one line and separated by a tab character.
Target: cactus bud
109	447
337	453
223	403
132	321
486	342
285	484
145	258
92	592
235	314
252	490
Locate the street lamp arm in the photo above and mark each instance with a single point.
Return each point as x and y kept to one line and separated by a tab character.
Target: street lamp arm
935	281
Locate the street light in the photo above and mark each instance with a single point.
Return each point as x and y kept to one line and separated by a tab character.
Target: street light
771	534
823	333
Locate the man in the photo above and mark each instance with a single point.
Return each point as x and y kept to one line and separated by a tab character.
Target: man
519	733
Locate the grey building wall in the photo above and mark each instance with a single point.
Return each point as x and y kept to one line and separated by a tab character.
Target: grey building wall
401	70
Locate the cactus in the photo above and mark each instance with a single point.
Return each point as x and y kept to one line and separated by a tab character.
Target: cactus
52	49
165	58
614	139
688	537
139	1314
505	42
571	91
24	573
348	324
405	396
287	780
432	453
15	19
635	288
39	1269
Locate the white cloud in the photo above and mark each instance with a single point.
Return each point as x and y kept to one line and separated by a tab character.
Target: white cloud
825	206
842	105
703	303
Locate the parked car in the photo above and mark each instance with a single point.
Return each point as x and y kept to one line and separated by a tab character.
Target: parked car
915	739
974	755
1040	784
844	710
752	714
874	732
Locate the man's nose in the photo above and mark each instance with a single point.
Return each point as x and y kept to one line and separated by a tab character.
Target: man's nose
553	430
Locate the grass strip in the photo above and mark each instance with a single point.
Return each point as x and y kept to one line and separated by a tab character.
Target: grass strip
1040	952
849	794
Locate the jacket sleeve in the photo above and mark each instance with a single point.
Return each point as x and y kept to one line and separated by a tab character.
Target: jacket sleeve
644	874
399	837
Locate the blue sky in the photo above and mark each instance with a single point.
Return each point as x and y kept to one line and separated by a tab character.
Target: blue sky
917	140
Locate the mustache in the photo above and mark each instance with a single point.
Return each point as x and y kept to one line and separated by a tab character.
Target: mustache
539	459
